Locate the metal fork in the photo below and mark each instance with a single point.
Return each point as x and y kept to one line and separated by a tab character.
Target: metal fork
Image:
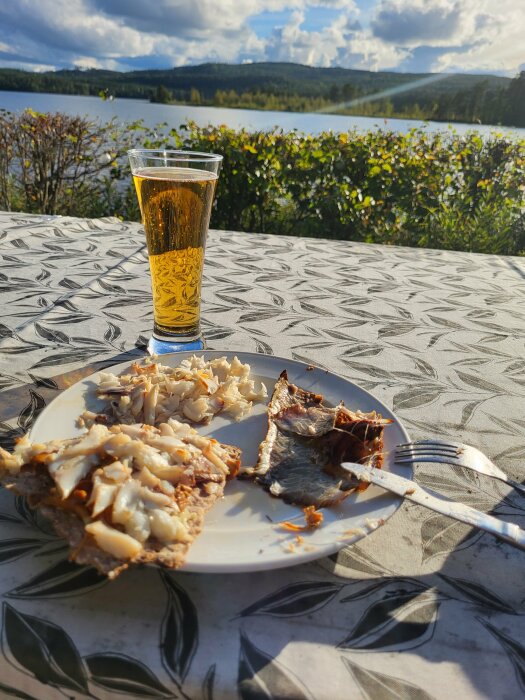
452	453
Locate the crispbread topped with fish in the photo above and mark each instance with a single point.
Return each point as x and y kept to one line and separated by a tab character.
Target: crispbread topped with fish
125	494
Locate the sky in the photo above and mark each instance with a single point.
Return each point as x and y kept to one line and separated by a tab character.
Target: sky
475	36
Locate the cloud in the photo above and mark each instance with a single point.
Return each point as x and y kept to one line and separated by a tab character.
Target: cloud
415	22
343	43
475	35
178	17
65	26
75	32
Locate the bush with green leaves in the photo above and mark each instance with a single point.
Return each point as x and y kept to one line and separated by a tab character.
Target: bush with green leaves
438	190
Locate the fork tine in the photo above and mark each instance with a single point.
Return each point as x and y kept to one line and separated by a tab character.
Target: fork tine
401	450
439	459
432	443
427	446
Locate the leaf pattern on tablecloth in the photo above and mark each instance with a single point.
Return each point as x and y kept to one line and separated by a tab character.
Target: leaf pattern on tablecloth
357	591
479	594
379	686
297	599
514	649
437	335
61	579
465	485
440	534
179	631
261	677
125	675
404	617
42	649
356	559
9	691
207	683
12	549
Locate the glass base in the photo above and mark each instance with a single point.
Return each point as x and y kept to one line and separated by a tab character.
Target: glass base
161	347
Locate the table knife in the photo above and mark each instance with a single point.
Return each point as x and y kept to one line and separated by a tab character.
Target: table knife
510	532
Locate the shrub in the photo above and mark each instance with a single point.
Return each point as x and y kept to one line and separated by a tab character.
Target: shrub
57	164
438	190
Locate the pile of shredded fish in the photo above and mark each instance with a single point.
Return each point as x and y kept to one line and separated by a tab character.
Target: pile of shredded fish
195	391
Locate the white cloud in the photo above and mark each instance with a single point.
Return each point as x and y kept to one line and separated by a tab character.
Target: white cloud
495	45
366	52
343	43
480	35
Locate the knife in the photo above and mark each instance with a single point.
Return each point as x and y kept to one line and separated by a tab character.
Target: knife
510	532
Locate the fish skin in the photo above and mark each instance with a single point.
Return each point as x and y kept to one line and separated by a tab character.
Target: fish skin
299	460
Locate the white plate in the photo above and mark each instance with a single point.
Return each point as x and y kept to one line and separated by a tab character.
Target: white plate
242	532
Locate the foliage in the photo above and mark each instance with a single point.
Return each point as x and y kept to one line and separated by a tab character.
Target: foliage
54	163
437	190
416	189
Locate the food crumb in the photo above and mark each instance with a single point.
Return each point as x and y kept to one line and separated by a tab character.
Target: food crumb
355	531
313	519
310	368
299	540
374	524
410	491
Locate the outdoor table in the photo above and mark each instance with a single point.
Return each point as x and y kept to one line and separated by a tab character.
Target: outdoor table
424	607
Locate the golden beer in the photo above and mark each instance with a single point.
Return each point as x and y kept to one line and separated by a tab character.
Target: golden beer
175	203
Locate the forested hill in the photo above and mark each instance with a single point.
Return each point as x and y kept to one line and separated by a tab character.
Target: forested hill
455	97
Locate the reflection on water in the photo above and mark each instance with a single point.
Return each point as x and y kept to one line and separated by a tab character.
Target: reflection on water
174	115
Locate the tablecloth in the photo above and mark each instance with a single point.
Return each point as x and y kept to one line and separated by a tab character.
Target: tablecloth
423	608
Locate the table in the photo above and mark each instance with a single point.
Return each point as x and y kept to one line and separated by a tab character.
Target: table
423	608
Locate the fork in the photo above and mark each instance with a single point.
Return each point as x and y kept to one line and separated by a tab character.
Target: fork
454	453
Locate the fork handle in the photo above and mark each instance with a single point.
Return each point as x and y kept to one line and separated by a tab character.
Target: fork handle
510	532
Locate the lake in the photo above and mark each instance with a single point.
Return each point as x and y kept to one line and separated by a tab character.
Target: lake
126	110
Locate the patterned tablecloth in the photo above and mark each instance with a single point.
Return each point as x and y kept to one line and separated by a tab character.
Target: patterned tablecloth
422	608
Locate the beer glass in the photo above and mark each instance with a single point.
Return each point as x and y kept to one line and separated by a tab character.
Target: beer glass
175	190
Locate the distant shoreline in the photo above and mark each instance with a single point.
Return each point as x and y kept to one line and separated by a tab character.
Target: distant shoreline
128	110
113	99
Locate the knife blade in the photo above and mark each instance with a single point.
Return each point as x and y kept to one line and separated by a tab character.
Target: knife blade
510	532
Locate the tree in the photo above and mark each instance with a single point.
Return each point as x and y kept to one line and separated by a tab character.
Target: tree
349	92
334	94
195	96
162	95
515	101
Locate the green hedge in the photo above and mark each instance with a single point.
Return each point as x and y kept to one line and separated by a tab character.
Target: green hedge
438	190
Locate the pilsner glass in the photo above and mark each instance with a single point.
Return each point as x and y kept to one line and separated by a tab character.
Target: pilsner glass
175	190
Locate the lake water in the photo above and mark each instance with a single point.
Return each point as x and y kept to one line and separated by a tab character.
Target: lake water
125	110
